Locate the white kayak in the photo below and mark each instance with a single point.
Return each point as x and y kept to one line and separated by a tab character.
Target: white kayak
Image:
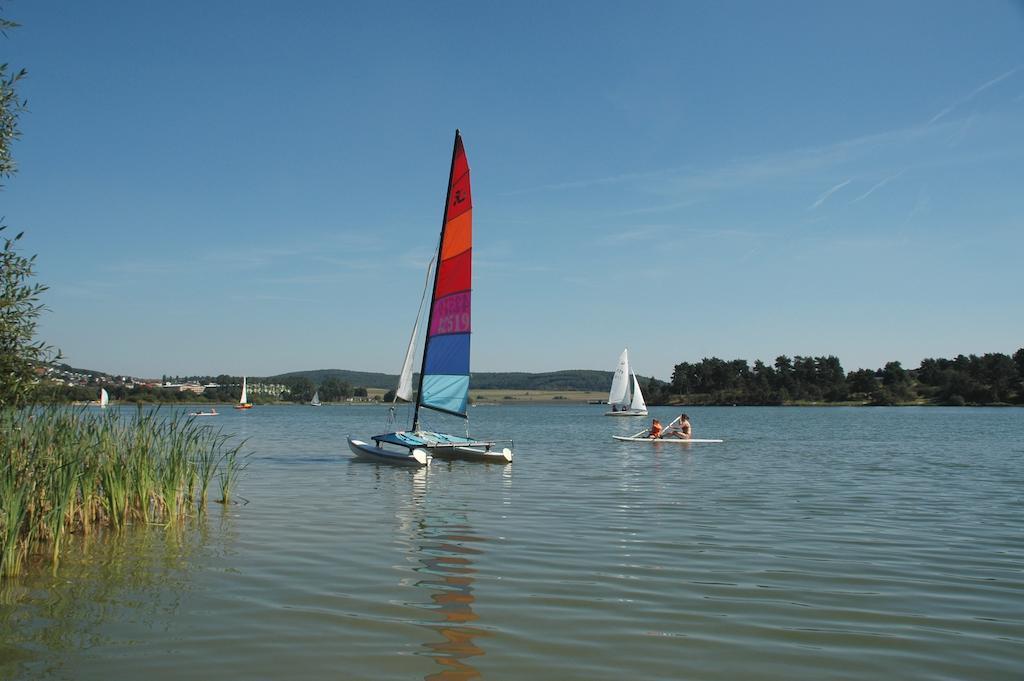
674	440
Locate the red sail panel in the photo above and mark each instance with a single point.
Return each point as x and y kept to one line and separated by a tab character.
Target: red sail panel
459	200
455	275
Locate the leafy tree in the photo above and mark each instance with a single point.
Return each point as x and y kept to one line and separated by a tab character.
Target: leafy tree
862	381
21	357
1018	359
999	371
334	389
784	374
359	392
10	108
300	389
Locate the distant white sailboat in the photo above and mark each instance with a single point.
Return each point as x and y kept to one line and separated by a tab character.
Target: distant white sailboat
243	401
315	402
622	402
104	397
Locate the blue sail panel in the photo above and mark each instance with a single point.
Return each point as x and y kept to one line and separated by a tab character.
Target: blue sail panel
448	354
445	392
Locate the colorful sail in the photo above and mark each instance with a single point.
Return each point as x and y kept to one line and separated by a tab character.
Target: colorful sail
444	377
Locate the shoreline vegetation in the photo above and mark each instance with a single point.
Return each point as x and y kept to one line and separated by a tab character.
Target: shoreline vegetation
992	379
66	471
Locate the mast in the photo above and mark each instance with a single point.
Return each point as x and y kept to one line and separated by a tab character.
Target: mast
437	268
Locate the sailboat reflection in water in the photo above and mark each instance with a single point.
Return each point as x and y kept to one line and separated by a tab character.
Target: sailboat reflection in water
447	568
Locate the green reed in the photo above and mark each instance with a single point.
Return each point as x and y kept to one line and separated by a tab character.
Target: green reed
72	472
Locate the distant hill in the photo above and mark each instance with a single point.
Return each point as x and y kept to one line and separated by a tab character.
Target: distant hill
365	379
568	379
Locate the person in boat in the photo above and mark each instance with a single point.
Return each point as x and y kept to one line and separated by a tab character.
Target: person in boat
655	429
682	429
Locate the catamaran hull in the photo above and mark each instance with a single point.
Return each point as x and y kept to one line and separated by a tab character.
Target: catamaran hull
364	450
675	440
504	455
628	412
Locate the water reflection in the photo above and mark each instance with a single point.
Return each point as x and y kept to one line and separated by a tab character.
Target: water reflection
445	549
448	572
103	579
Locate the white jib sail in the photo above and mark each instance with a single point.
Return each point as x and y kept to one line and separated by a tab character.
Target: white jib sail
638	403
245	397
405	378
620	382
104	397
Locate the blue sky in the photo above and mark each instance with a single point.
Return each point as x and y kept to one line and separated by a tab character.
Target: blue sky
257	187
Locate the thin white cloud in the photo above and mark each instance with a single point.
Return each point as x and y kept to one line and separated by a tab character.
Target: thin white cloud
663	208
878	186
687	185
267	298
830	192
639	233
974	93
751	169
597	181
922	205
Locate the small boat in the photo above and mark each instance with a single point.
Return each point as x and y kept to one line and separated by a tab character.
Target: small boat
444	368
622	403
643	436
212	412
674	440
243	401
104	398
315	402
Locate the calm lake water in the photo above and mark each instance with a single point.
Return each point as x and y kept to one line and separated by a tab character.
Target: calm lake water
813	544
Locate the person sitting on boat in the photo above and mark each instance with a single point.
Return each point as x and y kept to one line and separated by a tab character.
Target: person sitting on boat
682	429
655	429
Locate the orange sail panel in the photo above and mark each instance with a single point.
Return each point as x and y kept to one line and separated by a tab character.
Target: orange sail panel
445	375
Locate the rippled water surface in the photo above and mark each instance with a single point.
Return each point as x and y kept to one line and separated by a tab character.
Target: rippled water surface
813	544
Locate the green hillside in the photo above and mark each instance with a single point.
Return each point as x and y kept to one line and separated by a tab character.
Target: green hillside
570	379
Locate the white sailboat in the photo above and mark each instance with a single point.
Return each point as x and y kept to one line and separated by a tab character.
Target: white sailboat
243	401
444	368
315	402
104	398
623	401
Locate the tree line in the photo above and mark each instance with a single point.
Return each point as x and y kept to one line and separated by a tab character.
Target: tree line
992	378
299	389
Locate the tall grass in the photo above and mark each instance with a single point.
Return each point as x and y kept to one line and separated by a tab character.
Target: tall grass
70	471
